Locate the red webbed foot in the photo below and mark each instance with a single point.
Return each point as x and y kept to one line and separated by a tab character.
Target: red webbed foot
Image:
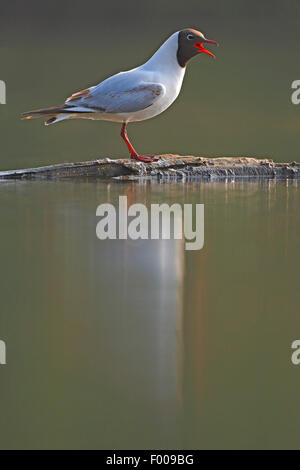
145	158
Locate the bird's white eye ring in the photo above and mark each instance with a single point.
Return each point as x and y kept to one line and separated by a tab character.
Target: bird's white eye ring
190	36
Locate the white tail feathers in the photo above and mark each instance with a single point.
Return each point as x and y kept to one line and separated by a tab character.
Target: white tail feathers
56	119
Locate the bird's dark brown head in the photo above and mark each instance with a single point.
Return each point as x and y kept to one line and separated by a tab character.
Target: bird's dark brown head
191	43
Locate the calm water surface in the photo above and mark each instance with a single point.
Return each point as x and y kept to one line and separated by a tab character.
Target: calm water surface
141	344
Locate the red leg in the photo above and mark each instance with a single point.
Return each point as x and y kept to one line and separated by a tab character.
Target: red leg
133	153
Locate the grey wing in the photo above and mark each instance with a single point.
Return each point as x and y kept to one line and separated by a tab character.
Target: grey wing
135	99
118	94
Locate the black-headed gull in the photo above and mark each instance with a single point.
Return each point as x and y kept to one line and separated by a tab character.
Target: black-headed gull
135	95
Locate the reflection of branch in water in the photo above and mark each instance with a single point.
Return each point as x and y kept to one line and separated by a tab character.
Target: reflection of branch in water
195	334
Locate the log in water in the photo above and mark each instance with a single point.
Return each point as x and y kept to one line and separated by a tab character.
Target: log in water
167	166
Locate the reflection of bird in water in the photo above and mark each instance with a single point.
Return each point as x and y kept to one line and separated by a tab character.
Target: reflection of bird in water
135	95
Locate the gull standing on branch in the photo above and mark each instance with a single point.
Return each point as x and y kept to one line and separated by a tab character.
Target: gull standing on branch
135	95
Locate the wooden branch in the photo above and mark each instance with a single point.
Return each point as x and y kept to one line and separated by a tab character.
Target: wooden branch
167	166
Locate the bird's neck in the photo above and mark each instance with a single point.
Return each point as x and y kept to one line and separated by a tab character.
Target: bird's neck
165	58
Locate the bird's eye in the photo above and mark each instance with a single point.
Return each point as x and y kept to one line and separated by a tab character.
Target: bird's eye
190	36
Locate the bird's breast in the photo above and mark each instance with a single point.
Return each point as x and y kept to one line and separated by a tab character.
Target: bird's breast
172	82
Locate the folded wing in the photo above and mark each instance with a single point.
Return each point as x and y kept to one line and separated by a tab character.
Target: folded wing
118	94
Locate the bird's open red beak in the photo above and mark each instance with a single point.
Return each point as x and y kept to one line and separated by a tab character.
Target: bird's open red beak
201	48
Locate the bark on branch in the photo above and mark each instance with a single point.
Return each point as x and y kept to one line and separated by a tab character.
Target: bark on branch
167	166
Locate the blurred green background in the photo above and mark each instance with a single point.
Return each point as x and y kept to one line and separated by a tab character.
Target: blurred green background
237	104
